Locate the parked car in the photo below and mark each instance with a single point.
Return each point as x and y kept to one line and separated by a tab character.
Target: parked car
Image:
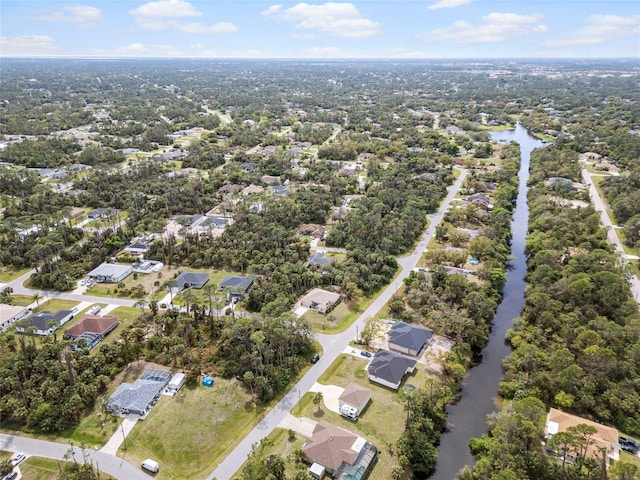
364	353
11	476
17	459
629	449
315	358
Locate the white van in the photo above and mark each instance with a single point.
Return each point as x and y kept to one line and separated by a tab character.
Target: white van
151	465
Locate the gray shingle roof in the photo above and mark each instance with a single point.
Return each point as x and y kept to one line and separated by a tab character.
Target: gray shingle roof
409	336
191	279
236	282
390	366
40	320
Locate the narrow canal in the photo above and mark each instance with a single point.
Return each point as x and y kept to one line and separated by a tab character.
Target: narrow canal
467	418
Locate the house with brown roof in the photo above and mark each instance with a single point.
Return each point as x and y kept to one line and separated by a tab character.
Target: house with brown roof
339	452
315	230
92	328
606	167
230	188
353	400
252	190
605	439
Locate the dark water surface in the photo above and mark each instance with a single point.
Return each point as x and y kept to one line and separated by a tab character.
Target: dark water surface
467	418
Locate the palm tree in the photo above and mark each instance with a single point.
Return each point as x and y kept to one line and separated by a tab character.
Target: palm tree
317	400
36	297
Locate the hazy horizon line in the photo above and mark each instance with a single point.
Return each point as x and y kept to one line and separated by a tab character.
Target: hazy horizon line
113	57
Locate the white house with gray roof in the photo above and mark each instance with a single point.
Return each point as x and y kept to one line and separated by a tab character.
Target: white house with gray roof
110	273
407	338
389	368
190	280
45	323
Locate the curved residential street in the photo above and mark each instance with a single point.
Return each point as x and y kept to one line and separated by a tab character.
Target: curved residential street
612	235
333	346
114	466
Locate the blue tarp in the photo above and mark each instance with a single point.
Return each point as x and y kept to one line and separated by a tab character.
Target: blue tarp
207	381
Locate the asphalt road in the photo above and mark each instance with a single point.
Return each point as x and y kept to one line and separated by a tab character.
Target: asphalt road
332	345
20	289
612	235
114	466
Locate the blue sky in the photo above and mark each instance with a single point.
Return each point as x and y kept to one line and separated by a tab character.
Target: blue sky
313	29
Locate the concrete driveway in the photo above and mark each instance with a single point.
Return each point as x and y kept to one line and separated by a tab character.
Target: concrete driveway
330	395
303	425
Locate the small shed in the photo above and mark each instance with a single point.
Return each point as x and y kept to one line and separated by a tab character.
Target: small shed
317	471
207	381
177	382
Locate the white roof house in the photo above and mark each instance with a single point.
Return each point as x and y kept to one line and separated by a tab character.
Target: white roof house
9	314
110	272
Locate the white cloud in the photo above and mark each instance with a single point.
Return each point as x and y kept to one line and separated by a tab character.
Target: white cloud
303	37
83	15
448	4
496	27
220	27
149	50
599	29
165	9
28	45
166	14
273	9
337	19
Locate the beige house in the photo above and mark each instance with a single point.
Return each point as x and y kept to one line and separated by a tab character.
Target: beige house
320	300
354	399
605	438
10	314
252	190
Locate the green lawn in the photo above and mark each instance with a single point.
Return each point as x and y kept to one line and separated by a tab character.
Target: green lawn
374	424
7	275
189	435
335	321
108	222
39	468
281	443
55	304
590	168
21	300
126	315
343	315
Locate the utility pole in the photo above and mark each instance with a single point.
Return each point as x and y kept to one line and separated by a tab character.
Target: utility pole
124	437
